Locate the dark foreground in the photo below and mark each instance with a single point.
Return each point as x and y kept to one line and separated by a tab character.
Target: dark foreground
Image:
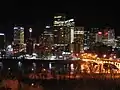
81	84
73	84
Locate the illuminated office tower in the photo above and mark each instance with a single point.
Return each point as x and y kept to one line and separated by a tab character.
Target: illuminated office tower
22	36
63	32
86	39
46	41
47	36
18	35
99	36
59	23
69	34
109	36
90	37
92	34
79	39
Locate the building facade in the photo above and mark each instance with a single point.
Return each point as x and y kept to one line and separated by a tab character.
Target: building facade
109	37
86	39
90	37
29	46
118	42
58	28
99	36
78	39
18	35
63	32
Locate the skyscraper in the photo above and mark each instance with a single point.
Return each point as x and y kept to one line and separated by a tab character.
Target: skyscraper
90	37
92	34
63	31
78	39
99	36
18	35
86	39
109	36
47	40
59	24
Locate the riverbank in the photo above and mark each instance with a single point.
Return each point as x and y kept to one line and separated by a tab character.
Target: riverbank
72	84
81	84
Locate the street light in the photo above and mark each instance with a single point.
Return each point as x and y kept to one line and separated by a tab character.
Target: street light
110	58
30	30
114	57
104	56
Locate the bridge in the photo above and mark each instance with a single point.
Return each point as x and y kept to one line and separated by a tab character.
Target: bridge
99	65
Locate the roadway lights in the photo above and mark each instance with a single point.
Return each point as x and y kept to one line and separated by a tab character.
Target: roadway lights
110	58
114	57
96	55
104	56
89	55
77	54
98	58
32	84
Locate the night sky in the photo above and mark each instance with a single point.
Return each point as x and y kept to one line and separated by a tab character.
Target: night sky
38	14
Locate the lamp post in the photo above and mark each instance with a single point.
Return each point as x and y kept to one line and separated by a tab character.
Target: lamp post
30	30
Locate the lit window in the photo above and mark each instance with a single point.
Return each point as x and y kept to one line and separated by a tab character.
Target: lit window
60	28
55	30
55	35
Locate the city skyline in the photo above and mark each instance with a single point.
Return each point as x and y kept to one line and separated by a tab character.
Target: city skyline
38	15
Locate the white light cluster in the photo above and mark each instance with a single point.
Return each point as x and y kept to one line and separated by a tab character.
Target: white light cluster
2	34
19	64
21	28
15	27
47	26
30	30
79	32
72	35
57	16
50	66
